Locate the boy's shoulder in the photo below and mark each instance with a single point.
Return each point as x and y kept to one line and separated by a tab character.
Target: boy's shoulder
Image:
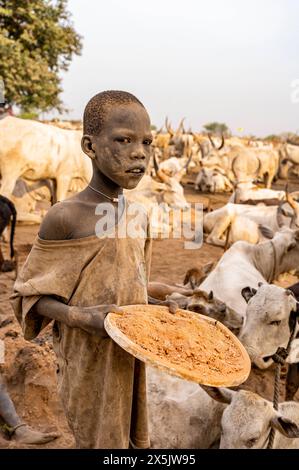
57	223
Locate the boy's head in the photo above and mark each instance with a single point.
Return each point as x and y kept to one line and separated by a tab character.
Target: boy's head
117	137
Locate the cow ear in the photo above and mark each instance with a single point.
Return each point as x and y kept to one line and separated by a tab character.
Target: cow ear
285	426
248	293
266	231
223	395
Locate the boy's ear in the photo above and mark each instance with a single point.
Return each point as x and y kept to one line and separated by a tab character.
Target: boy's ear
87	146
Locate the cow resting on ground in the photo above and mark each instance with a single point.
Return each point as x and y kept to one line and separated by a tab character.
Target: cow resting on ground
245	265
248	418
181	414
234	222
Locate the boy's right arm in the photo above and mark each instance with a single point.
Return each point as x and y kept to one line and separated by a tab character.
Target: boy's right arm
57	226
89	319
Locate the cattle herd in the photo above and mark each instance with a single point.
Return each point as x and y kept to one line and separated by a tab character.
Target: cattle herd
258	229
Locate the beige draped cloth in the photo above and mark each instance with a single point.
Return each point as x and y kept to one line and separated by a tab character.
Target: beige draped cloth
102	388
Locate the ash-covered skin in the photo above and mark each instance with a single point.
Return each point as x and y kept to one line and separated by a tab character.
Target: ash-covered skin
121	152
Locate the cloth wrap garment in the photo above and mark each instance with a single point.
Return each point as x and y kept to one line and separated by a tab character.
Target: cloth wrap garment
102	387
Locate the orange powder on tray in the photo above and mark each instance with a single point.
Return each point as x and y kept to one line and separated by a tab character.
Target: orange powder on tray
181	341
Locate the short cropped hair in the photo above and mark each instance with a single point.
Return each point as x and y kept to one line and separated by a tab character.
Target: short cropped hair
98	106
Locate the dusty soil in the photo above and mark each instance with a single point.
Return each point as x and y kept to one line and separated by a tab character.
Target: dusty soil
197	349
29	368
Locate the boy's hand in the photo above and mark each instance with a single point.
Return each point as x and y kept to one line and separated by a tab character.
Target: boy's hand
91	319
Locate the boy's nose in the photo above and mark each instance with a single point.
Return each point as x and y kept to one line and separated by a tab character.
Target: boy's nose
138	155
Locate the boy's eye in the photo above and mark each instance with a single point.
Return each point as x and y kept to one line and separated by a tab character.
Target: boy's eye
123	140
147	142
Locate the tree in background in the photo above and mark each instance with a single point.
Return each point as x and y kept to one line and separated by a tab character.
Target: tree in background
37	42
217	128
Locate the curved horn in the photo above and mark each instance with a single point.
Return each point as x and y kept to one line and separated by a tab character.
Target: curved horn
168	127
188	162
290	199
222	142
279	215
223	395
181	126
292	143
210	139
202	150
156	166
160	174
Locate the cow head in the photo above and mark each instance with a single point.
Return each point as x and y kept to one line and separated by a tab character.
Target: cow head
211	180
267	322
174	191
247	420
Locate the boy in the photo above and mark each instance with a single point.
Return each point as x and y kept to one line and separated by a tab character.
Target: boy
74	277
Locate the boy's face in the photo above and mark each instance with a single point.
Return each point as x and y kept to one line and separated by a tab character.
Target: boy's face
122	150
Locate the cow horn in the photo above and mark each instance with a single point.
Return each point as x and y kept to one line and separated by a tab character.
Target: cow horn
223	395
222	142
292	143
156	166
188	162
160	174
202	151
168	127
290	199
279	215
180	127
210	139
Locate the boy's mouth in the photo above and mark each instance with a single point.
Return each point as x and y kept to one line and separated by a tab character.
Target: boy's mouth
136	170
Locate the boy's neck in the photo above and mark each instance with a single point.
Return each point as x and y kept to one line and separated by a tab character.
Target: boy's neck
103	184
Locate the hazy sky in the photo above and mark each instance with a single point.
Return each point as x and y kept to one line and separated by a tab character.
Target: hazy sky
232	61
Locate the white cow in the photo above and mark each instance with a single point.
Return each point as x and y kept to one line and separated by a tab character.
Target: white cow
245	192
36	151
242	164
245	265
181	414
248	418
212	180
267	323
234	222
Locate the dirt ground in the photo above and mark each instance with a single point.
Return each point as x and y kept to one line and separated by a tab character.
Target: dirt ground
29	367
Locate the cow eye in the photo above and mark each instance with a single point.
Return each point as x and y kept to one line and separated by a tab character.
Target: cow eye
275	322
251	442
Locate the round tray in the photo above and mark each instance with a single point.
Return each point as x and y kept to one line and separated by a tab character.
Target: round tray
220	359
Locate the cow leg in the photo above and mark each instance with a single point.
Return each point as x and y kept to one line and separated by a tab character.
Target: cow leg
292	381
9	179
267	180
63	184
219	229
